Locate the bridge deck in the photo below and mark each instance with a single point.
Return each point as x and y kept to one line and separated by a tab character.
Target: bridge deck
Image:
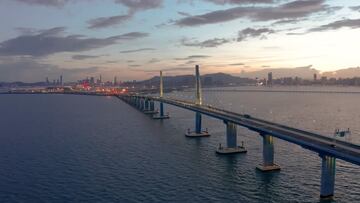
309	140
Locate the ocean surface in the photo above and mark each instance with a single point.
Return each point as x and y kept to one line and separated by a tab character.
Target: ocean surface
67	148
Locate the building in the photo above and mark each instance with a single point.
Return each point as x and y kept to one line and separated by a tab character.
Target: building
115	81
92	81
270	79
61	80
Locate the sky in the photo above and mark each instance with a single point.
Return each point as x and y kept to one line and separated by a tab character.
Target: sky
135	39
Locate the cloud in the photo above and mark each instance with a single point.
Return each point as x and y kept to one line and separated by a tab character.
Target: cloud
183	13
292	10
204	44
30	70
349	23
190	62
154	60
136	5
104	22
52	41
193	57
137	50
291	21
236	64
134	65
84	57
355	8
112	61
222	2
133	5
55	3
251	33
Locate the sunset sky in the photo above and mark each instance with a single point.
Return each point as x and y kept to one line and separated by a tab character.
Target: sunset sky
134	39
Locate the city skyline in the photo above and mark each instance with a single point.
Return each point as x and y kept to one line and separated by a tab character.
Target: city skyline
135	39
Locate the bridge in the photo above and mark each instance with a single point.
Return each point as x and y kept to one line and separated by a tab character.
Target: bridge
324	146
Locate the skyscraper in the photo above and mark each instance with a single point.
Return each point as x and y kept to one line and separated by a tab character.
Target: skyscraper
61	80
92	81
270	79
115	81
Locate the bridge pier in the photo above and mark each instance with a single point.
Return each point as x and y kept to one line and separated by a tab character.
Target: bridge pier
146	105
231	141
141	107
328	168
137	102
268	155
161	115
150	109
198	131
134	101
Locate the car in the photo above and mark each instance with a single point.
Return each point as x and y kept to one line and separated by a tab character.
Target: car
247	116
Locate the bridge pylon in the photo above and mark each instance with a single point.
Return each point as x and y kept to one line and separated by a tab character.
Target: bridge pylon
161	115
198	120
268	155
231	141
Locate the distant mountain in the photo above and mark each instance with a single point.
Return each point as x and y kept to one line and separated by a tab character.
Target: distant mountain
21	84
208	80
343	73
306	72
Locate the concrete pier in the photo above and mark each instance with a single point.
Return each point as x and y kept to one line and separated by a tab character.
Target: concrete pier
146	105
161	115
151	108
328	168
137	102
142	106
268	155
198	131
231	141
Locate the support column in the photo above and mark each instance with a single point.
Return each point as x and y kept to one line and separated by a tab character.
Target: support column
198	122
162	115
328	168
137	102
161	109
146	105
141	107
150	107
231	141
231	134
198	131
268	154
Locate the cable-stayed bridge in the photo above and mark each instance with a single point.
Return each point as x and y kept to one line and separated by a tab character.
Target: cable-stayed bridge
326	147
